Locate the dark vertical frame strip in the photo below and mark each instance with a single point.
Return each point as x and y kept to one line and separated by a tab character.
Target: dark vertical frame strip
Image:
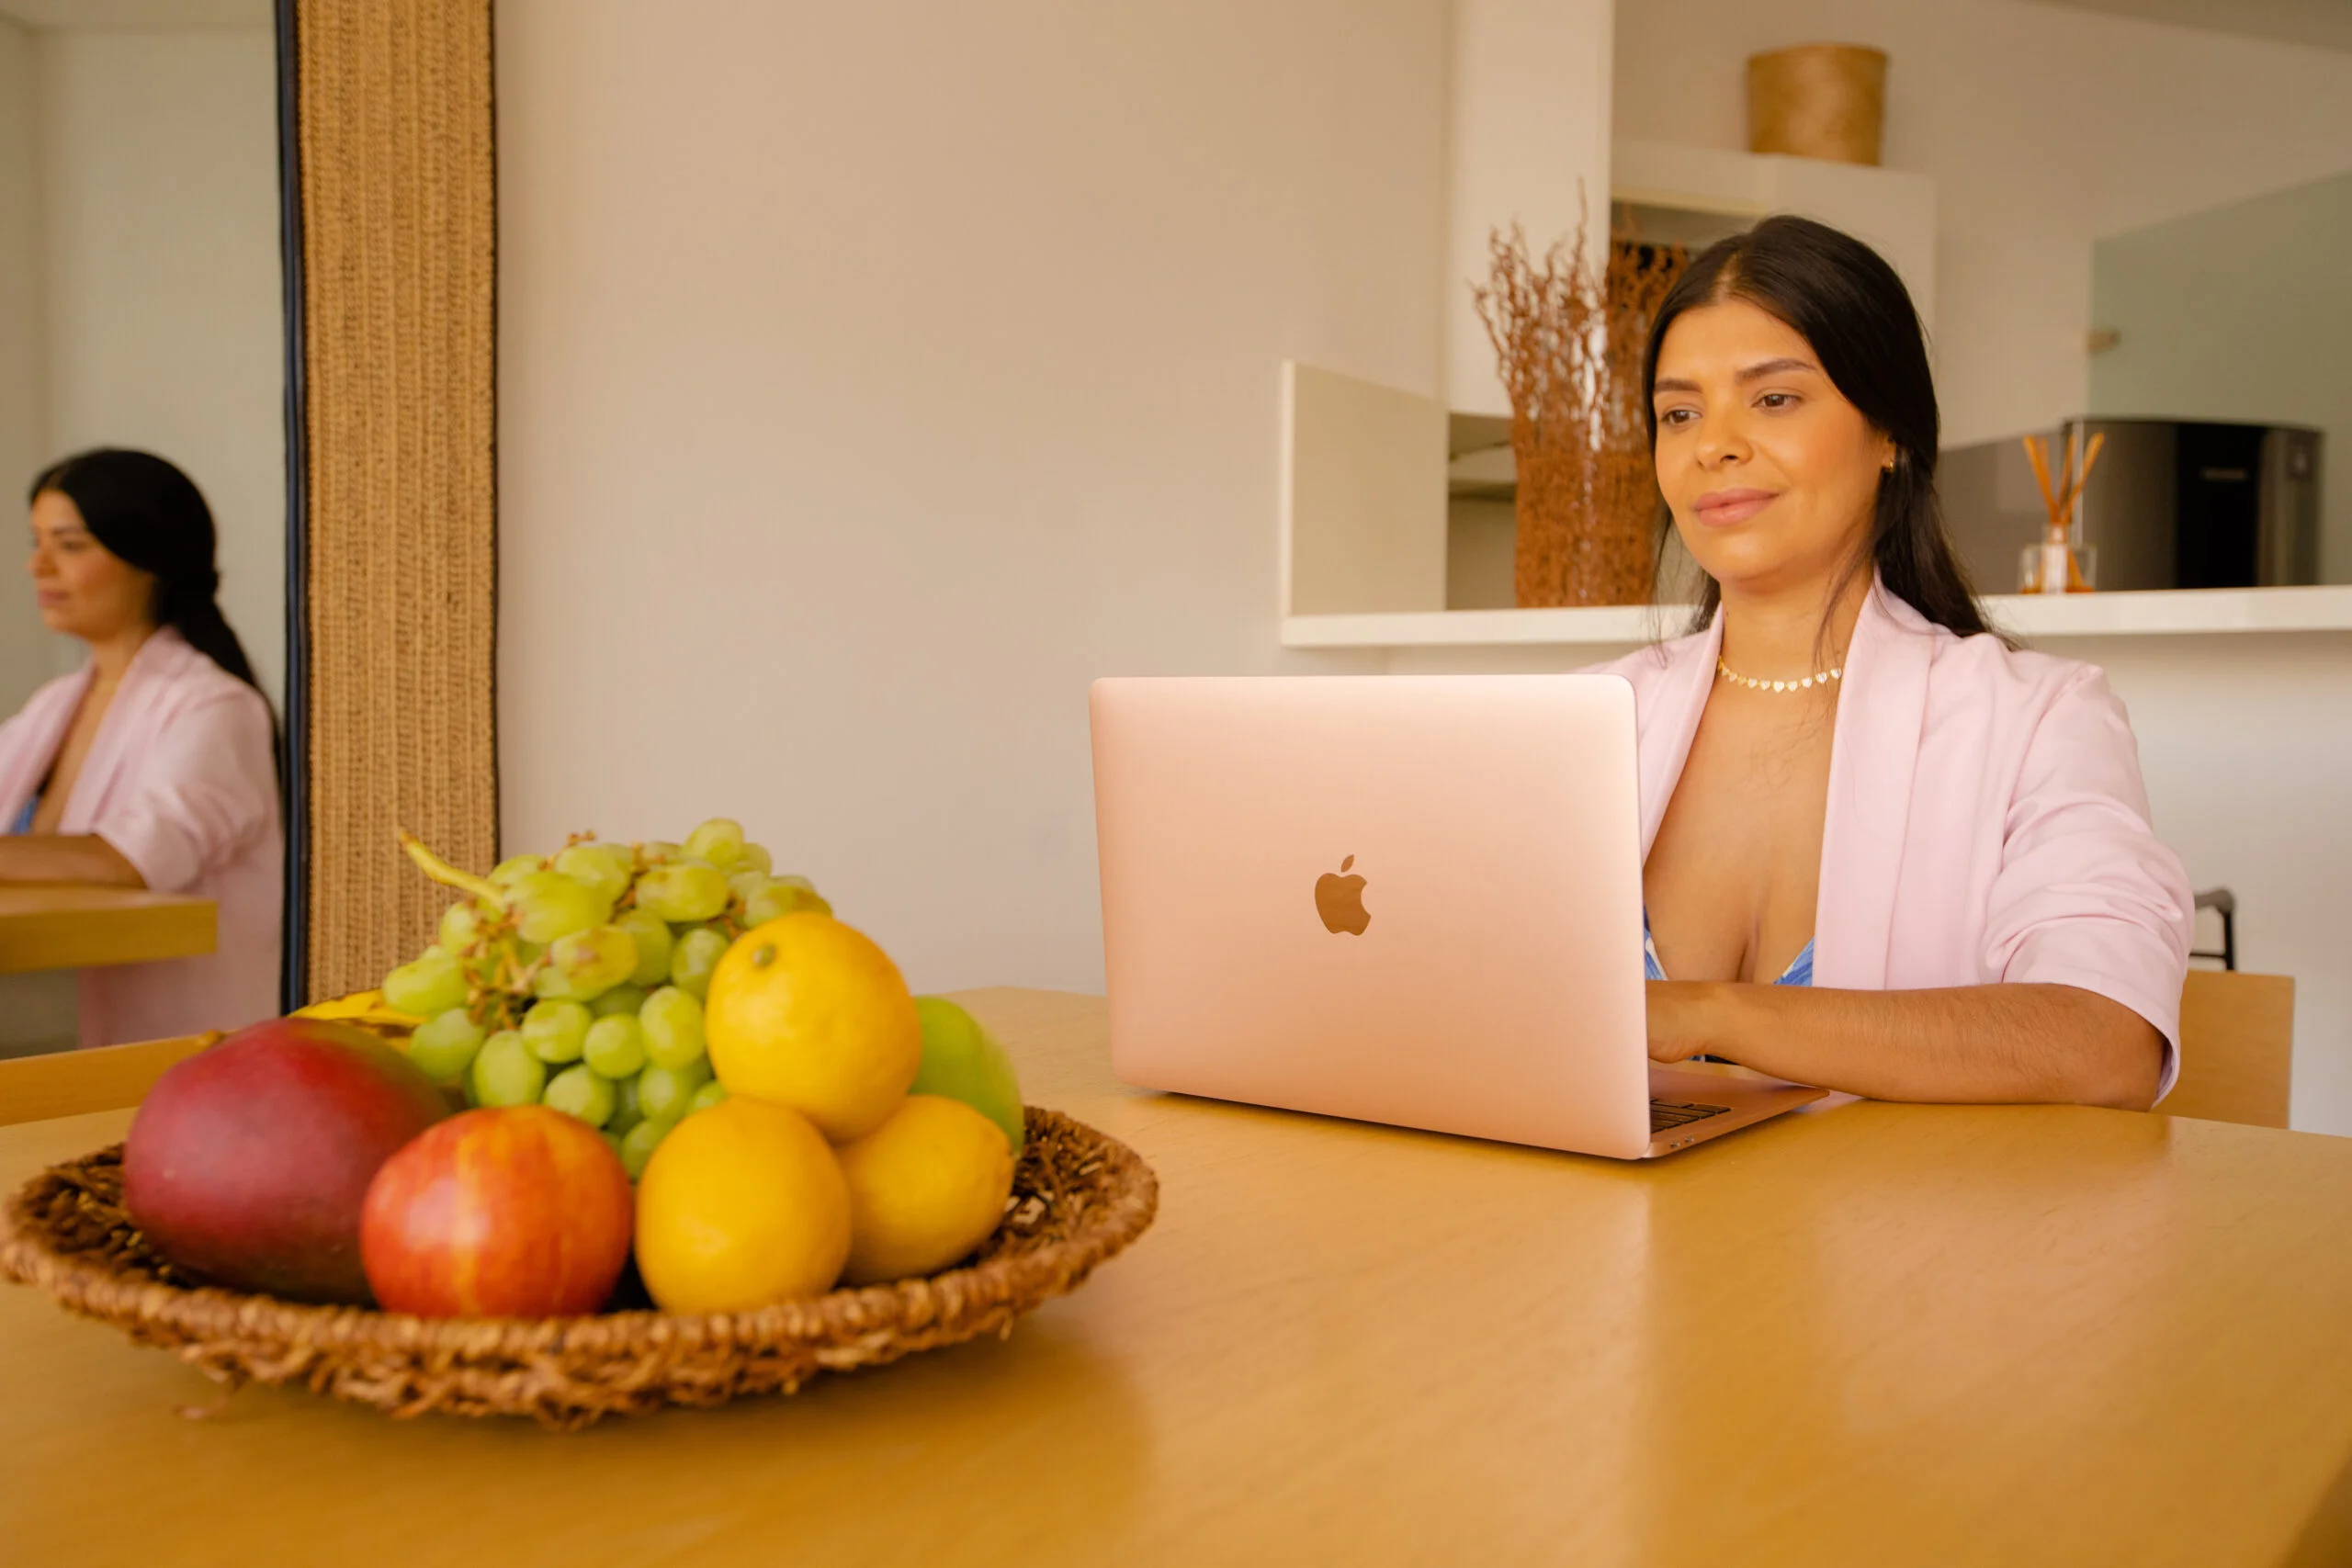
294	964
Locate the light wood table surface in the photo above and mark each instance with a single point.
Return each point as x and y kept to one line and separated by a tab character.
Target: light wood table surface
70	925
1869	1334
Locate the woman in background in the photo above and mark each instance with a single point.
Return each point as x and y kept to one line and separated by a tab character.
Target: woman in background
1884	852
156	765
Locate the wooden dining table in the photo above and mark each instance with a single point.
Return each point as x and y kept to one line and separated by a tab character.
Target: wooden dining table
71	925
1862	1334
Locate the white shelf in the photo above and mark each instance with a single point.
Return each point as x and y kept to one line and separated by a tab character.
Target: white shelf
2174	611
2169	614
1447	628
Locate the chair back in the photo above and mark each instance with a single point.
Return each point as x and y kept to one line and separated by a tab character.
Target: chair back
2238	1048
68	1083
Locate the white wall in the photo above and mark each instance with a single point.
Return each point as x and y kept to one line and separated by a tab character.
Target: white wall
35	1010
1527	143
23	651
2240	313
2043	127
873	378
2247	743
166	312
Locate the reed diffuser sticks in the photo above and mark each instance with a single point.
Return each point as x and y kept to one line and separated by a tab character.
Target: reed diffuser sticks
2054	565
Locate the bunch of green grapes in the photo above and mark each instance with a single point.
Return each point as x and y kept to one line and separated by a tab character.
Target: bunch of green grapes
577	980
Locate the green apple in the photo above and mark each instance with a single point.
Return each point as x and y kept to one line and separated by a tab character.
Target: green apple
962	1062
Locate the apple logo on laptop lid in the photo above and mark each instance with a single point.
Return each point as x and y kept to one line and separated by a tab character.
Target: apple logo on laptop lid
1339	900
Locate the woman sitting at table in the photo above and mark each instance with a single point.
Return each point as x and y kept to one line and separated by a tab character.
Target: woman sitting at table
1886	851
156	765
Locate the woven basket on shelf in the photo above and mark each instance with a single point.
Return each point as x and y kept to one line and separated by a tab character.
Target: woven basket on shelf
1078	1198
1817	100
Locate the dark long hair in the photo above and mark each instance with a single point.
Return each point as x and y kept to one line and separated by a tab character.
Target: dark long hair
153	516
1843	298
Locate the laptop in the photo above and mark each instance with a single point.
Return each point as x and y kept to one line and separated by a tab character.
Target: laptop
1407	899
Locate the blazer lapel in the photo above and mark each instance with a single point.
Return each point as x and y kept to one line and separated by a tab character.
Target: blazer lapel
43	724
1881	711
1678	702
130	723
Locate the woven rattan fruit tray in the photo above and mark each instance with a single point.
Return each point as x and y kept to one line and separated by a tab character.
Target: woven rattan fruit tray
1078	1198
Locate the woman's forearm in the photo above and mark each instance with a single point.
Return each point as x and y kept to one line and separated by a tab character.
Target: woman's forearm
65	857
1968	1043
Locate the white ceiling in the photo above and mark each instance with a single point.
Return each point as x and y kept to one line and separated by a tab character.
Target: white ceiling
128	14
2327	23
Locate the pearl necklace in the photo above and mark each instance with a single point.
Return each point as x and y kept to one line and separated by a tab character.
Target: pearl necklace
1821	678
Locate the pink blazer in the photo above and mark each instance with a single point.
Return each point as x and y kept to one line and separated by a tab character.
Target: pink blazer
182	782
1986	820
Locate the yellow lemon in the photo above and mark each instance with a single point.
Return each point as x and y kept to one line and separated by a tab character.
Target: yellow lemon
742	1205
925	1188
806	1012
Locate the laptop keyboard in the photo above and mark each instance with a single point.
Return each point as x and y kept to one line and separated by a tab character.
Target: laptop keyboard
1667	1114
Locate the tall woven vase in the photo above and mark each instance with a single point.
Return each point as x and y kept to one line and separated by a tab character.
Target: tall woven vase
1575	547
1570	338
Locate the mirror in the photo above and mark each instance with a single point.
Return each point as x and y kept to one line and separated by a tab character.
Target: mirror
143	305
2232	320
2215	393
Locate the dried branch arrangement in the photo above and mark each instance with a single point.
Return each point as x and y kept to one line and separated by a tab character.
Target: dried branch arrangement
1570	337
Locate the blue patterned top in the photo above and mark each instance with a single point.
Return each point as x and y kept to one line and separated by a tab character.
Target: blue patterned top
1798	973
24	822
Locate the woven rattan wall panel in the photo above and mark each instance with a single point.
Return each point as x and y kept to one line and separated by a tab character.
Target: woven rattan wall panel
398	268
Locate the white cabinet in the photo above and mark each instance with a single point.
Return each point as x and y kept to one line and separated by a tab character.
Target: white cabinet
1892	210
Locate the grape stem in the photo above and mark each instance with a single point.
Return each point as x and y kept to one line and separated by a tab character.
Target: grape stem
449	875
492	1004
498	999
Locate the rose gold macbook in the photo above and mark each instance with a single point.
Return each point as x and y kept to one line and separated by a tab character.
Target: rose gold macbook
1411	899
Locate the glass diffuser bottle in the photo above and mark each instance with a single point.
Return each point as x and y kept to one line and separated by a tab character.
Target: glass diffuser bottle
2055	564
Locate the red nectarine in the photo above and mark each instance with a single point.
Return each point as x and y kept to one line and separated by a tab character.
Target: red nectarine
514	1212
